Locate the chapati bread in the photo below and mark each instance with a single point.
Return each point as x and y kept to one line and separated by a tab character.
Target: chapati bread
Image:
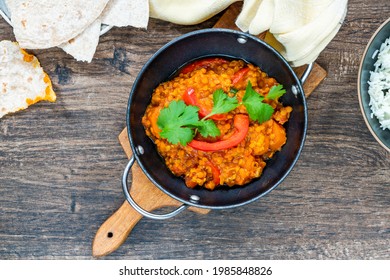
126	13
117	13
40	24
22	80
83	47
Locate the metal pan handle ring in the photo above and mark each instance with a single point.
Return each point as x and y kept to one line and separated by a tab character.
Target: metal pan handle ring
143	212
306	73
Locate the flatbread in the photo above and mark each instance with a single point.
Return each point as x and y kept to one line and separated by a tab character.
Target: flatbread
41	24
83	47
117	13
22	80
126	13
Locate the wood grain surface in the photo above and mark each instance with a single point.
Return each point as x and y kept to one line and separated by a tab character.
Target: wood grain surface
61	164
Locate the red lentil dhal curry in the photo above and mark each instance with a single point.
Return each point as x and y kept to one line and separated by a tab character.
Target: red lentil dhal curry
217	122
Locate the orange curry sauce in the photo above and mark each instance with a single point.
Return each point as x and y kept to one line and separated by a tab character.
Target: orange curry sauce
232	166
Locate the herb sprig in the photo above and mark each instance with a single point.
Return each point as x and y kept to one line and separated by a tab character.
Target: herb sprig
179	122
222	103
256	108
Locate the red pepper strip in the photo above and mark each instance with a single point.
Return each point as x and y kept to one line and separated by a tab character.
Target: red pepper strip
202	63
241	124
239	75
190	98
216	172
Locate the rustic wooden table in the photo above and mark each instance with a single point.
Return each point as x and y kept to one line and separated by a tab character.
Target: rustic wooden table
61	165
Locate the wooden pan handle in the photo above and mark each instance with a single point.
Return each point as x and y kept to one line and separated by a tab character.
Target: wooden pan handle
115	230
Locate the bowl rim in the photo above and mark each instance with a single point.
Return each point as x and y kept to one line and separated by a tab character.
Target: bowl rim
374	134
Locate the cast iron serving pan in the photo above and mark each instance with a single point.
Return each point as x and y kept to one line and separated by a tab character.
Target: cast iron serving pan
163	65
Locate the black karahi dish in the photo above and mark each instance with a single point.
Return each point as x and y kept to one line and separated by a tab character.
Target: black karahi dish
161	66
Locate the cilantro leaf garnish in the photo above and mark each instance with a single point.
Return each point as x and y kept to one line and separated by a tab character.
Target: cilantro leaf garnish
256	108
180	122
175	121
275	92
177	113
207	128
223	103
233	90
175	135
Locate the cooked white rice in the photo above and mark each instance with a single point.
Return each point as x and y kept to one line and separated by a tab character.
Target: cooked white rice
379	86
